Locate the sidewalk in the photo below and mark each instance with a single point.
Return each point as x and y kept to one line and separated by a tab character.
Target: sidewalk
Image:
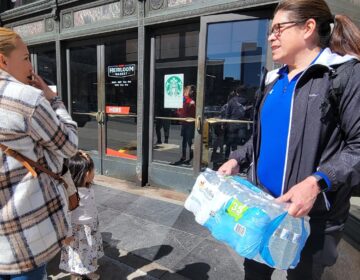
148	234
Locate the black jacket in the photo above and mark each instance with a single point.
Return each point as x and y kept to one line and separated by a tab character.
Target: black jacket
321	137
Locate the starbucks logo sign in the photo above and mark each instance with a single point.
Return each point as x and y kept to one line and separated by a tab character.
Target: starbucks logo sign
174	86
173	90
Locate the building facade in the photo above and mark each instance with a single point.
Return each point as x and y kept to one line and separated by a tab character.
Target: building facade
121	68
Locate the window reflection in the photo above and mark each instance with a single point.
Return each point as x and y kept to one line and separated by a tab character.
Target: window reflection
46	65
176	56
236	51
168	46
121	98
83	79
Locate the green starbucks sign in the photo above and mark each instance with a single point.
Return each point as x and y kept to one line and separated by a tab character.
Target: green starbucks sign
173	90
174	86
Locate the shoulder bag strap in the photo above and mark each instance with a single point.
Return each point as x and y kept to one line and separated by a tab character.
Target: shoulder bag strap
31	165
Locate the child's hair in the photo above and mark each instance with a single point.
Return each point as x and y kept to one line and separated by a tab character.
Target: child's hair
79	165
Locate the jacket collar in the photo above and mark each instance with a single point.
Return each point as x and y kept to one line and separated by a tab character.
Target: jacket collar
326	58
6	76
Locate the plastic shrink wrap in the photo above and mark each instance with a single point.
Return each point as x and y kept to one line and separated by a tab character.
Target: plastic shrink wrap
248	219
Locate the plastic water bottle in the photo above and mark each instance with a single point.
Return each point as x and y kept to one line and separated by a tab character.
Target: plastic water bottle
250	229
286	242
207	196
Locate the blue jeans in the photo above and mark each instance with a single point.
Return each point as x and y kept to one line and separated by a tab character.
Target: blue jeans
36	274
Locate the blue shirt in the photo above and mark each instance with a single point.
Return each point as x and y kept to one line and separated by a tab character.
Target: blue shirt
275	120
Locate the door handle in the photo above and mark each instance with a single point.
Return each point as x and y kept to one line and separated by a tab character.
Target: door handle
198	124
98	117
102	117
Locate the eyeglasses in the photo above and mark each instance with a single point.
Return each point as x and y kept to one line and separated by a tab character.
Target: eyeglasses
277	29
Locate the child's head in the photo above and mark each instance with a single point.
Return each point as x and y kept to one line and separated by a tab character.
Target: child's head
81	167
190	91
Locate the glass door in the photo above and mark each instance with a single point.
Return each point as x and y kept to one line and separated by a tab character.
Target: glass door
102	89
83	96
173	79
43	60
119	106
121	98
233	49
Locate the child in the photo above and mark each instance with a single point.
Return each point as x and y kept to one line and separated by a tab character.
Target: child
80	256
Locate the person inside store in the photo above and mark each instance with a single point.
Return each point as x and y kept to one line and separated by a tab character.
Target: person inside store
187	127
235	110
33	123
305	148
162	124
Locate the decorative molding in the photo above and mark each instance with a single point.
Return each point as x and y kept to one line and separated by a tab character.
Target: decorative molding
197	9
30	29
129	7
67	20
28	9
49	24
174	3
97	14
156	4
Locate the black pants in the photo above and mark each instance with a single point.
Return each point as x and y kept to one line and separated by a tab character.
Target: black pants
187	133
165	124
319	252
186	142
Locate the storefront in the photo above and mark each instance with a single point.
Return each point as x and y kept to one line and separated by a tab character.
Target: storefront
122	66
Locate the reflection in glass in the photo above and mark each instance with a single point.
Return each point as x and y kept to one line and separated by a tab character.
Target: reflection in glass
176	56
83	79
121	98
236	51
46	65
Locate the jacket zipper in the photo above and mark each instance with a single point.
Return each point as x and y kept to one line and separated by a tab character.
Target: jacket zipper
289	131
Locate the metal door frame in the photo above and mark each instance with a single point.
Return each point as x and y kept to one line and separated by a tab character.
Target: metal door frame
98	158
102	161
160	174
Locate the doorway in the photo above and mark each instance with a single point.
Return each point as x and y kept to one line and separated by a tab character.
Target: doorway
102	89
222	57
233	50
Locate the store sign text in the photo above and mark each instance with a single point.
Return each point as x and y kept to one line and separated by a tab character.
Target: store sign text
121	71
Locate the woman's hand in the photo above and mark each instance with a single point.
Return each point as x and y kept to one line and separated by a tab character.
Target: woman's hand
230	167
39	83
301	197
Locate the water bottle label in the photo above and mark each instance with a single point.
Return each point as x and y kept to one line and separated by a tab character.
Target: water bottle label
205	190
236	209
239	229
196	201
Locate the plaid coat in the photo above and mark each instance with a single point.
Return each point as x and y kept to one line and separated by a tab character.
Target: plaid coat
32	218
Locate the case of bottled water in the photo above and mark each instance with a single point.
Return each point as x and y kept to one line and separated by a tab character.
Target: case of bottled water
248	219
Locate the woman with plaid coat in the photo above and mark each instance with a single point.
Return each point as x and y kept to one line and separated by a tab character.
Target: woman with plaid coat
35	123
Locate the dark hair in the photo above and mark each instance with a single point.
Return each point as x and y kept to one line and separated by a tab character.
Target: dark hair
79	165
240	90
345	37
192	91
